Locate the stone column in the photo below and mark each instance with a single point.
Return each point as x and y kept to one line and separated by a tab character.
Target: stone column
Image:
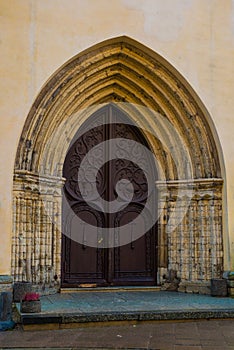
162	241
36	242
191	227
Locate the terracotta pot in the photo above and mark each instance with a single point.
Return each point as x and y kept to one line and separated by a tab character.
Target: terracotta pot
31	306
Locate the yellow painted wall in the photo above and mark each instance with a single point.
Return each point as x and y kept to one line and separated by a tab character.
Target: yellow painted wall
38	36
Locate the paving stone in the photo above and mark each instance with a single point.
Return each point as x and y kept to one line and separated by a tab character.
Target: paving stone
213	334
161	336
120	306
187	347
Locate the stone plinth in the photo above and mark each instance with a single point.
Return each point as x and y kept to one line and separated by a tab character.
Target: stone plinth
218	287
6	302
230	283
196	287
20	289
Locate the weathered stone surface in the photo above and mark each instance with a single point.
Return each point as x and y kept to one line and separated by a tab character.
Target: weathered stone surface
5	279
36	251
171	282
6	302
20	289
218	287
195	287
230	283
33	306
5	306
231	292
231	275
6	283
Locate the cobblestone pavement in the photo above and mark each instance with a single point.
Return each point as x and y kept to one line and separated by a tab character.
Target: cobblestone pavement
205	335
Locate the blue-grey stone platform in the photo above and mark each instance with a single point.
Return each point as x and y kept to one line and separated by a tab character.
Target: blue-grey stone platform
148	305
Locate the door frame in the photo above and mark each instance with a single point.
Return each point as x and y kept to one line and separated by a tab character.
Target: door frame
109	255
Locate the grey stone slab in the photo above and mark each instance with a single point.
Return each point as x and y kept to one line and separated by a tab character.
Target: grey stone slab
120	316
122	306
187	347
40	319
139	336
5	306
6	279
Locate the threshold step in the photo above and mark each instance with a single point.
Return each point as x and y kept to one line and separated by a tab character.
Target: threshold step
112	289
76	320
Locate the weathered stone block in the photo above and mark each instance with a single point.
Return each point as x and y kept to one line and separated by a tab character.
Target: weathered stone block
6	303
196	287
231	292
5	306
171	282
218	287
6	284
230	283
20	289
231	275
170	286
33	306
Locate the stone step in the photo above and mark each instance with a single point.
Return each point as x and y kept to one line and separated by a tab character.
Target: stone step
111	289
40	321
80	309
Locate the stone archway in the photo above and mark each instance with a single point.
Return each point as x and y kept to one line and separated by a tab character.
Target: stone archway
125	72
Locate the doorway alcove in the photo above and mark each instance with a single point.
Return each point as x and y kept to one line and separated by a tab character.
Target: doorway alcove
127	74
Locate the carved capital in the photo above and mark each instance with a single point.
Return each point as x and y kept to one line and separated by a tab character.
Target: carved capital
30	182
196	189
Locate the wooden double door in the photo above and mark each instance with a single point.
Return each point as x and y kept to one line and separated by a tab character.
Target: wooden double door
134	263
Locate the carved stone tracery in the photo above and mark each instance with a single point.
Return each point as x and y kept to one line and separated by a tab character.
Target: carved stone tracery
194	248
36	249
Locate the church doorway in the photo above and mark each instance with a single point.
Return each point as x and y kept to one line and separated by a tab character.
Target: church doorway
133	263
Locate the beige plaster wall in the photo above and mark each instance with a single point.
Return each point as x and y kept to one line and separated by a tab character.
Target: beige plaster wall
38	36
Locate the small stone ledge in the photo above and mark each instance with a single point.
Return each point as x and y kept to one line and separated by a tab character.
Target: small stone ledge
229	276
171	281
6	283
38	320
45	290
196	287
219	287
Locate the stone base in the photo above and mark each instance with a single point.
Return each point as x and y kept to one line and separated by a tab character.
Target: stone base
20	289
218	287
6	325
45	289
231	292
170	286
6	283
196	287
6	302
229	276
171	281
33	306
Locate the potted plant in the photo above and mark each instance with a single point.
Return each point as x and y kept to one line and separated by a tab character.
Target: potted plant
31	303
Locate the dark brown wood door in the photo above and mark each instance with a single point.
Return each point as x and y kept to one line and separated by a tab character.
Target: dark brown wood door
133	263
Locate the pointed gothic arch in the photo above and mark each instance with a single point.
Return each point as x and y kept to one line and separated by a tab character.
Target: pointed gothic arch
122	71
